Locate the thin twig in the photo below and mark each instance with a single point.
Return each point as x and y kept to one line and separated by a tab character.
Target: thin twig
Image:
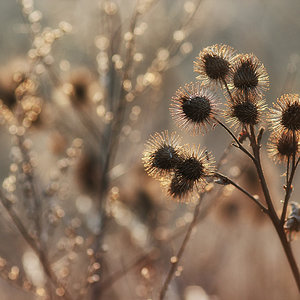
228	91
181	250
227	180
239	145
289	186
34	246
187	235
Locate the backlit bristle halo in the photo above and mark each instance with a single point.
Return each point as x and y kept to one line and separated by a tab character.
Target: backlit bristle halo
161	155
244	112
190	174
179	189
283	145
248	76
213	64
286	113
194	107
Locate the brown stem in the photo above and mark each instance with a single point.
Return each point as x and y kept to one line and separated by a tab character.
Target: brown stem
272	213
257	162
226	180
288	251
181	250
239	145
289	187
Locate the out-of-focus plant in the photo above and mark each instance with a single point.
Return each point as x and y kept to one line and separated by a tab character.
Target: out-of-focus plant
62	205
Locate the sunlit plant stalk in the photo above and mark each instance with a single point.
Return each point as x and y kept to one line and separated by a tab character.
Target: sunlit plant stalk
195	106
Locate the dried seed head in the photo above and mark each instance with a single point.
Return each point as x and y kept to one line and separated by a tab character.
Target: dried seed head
193	107
180	188
283	145
162	154
213	64
248	76
191	168
190	174
286	113
244	112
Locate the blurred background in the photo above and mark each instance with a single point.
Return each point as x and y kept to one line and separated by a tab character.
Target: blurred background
83	84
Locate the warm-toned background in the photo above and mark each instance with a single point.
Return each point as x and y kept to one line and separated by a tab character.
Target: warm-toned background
234	253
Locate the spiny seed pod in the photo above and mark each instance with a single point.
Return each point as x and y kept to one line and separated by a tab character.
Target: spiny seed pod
286	113
180	189
162	154
193	107
283	145
213	64
190	174
244	112
248	76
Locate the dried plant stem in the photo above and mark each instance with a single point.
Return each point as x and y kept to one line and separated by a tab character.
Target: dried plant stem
188	234
277	223
229	181
181	249
289	187
227	89
179	232
271	211
34	246
239	145
256	152
189	231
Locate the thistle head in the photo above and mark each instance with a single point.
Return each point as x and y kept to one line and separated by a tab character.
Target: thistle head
190	174
213	64
243	111
286	113
194	107
162	154
248	76
283	145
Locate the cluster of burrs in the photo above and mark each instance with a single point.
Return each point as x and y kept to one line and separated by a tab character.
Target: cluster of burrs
196	106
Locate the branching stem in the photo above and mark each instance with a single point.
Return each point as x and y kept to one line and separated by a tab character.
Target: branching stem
272	213
239	145
229	181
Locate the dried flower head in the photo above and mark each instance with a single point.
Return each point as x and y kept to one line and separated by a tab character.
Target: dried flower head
213	64
193	107
283	145
248	75
162	154
286	113
190	174
244	112
180	189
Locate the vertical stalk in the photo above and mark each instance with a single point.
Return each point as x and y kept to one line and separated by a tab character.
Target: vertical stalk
181	250
272	213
